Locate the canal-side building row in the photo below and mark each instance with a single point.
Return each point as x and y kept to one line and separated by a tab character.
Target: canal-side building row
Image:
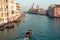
36	10
8	10
54	10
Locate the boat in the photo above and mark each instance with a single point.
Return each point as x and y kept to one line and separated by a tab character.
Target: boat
9	25
1	28
28	34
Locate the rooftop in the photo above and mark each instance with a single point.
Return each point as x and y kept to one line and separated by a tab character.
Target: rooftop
55	5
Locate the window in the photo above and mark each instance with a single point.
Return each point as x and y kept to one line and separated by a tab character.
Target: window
6	0
7	14
56	12
0	6
12	12
7	7
56	9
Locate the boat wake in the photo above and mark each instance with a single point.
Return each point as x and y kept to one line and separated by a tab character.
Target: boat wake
26	38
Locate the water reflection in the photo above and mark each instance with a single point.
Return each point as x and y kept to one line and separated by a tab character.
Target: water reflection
55	28
57	19
8	33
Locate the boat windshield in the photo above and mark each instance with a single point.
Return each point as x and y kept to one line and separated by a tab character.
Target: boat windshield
27	32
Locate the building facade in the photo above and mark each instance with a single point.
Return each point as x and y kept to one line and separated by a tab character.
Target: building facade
3	15
11	9
18	8
0	10
18	11
57	11
8	9
54	10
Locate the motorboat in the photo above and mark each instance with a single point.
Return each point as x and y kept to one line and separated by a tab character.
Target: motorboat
28	34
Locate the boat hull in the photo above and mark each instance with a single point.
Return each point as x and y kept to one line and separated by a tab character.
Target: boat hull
28	34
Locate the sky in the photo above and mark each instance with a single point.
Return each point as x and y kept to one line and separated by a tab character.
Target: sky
26	4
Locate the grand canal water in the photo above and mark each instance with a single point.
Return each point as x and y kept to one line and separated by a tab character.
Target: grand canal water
44	28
